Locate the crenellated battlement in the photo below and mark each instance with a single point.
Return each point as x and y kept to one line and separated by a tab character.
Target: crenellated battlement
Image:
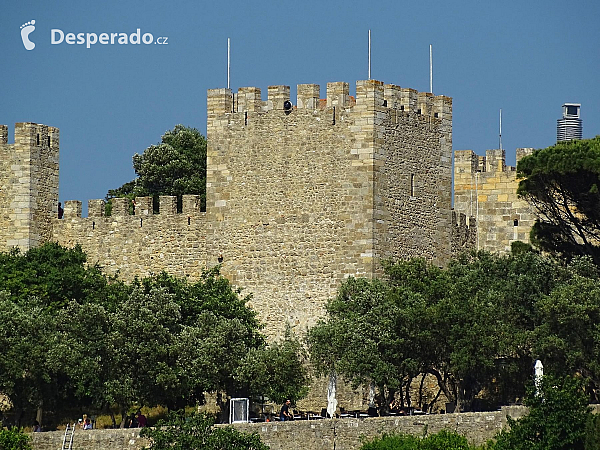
494	161
143	207
374	93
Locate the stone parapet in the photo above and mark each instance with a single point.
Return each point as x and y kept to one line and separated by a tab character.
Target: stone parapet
327	434
96	208
277	96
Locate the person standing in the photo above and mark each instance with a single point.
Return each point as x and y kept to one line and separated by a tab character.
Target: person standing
141	419
285	413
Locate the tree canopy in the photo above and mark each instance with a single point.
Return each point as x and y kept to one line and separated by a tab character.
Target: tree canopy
70	336
562	183
176	166
476	326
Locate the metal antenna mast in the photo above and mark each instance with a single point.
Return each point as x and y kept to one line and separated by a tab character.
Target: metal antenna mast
430	69
500	137
369	54
228	60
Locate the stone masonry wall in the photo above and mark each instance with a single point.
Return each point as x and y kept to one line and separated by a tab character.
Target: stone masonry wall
330	434
5	175
485	188
413	209
464	235
139	244
28	185
300	198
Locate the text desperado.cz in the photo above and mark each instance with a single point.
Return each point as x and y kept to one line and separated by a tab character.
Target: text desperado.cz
58	36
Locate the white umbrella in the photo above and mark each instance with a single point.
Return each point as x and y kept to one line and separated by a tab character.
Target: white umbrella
331	400
538	370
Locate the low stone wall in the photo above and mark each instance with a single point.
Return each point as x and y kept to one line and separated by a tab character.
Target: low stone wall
348	434
338	434
126	439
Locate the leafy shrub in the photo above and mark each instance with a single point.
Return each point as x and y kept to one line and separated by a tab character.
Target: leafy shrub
592	433
14	439
556	420
444	440
197	431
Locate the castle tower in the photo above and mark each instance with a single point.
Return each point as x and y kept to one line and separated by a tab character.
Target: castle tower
28	185
485	188
301	197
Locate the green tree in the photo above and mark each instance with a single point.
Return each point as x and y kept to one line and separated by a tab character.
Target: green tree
556	420
561	182
176	166
568	336
53	274
28	373
365	338
84	353
470	325
278	371
143	330
197	431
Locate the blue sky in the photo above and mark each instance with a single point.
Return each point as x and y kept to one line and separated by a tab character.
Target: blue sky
111	101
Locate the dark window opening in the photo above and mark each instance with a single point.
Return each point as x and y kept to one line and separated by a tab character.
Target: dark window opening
48	141
38	139
436	115
516	222
419	111
385	103
402	108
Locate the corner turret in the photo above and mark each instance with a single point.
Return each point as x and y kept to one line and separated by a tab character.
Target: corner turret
29	185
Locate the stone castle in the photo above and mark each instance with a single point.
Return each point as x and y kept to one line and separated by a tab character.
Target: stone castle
298	197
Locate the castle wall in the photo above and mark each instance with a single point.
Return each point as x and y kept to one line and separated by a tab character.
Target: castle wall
464	234
28	185
485	188
139	244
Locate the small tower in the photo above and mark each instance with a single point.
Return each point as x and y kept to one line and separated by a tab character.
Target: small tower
28	185
569	127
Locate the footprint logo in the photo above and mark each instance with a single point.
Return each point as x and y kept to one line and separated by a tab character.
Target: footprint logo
26	30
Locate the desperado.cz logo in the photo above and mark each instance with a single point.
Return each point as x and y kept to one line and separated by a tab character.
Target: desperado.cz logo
58	36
